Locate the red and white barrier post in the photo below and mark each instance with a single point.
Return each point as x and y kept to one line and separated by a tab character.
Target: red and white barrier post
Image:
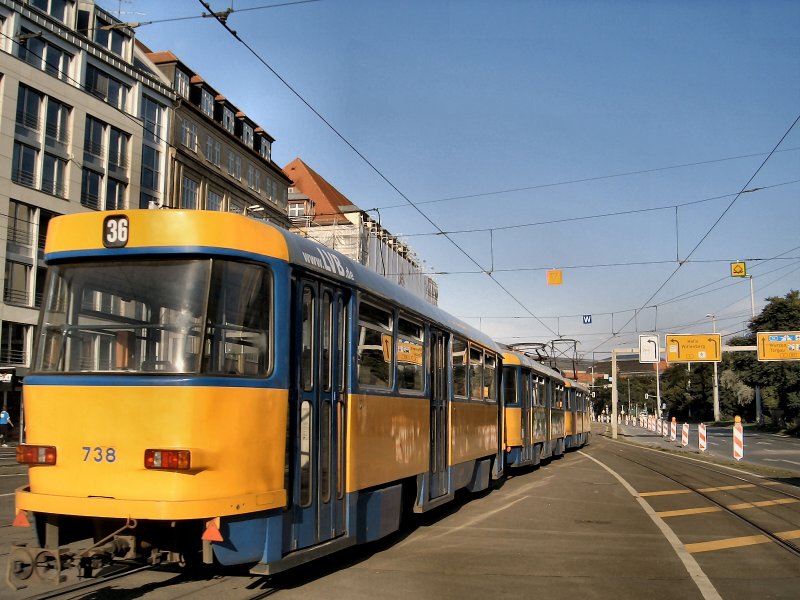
738	439
685	435
701	434
673	429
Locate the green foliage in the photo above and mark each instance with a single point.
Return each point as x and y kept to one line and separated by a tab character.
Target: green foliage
780	380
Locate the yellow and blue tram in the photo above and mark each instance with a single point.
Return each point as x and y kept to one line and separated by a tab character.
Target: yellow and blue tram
207	387
544	412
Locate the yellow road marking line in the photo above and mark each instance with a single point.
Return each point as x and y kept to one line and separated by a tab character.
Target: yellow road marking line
664	493
745	505
725	488
749	540
739	542
688	511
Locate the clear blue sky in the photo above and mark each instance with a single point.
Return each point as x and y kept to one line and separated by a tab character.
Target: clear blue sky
478	97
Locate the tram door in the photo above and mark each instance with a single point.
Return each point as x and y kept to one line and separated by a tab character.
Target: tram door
319	420
527	416
440	396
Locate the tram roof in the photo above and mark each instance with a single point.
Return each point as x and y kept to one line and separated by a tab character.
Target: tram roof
81	235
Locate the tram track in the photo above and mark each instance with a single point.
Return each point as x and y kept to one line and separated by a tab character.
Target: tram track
706	492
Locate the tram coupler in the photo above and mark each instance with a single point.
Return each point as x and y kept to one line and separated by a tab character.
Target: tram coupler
25	563
94	559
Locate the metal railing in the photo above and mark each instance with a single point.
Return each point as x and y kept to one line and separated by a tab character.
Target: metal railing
23	177
28	120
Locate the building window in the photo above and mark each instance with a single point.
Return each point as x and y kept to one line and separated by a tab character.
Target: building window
297	209
189	134
108	37
251	177
93	138
234	165
118	148
28	108
151	165
189	193
207	103
53	181
23	165
14	343
115	194
19	238
15	288
182	83
265	148
57	121
55	8
91	185
43	55
106	88
236	206
247	135
212	151
213	201
227	119
152	116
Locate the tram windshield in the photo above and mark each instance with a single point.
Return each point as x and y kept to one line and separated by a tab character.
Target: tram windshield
140	316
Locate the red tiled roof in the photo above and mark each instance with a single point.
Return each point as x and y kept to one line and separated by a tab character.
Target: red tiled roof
164	56
327	198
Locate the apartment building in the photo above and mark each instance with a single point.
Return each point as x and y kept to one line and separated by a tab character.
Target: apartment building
221	158
84	118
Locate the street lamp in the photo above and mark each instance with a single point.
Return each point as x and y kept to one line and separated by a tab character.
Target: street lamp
716	384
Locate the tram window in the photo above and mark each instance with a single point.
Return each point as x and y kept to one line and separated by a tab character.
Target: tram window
239	317
306	427
531	383
459	367
156	316
490	368
510	385
325	334
410	346
375	343
342	344
476	374
541	387
307	341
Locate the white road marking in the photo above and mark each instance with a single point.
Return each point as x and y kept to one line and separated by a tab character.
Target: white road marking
700	579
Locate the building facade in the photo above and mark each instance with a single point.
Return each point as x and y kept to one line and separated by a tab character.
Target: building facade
320	212
83	123
220	158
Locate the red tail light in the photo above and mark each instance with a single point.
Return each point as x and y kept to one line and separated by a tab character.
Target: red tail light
28	454
168	459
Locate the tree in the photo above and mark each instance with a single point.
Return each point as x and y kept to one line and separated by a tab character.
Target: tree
779	380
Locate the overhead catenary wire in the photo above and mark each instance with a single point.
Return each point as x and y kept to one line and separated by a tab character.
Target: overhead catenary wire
710	229
370	164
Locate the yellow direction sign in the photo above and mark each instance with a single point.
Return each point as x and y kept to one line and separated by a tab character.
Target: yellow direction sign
779	345
694	348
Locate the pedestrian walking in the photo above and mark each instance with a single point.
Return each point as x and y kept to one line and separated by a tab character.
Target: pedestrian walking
5	423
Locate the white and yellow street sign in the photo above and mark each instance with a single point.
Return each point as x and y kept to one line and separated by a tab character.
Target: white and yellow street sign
694	348
779	345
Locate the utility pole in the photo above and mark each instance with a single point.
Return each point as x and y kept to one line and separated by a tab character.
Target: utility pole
759	415
716	383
